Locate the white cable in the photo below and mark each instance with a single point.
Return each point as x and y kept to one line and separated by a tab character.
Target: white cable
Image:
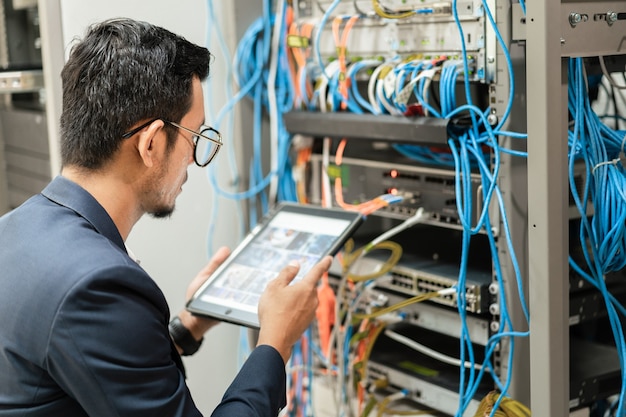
371	88
429	79
428	351
419	216
405	93
396	396
608	75
327	197
271	96
323	104
323	85
400	78
380	92
447	291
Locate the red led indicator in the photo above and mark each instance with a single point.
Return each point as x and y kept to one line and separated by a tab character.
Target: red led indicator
393	173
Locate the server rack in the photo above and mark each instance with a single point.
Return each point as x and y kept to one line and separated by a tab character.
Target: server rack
540	213
553	34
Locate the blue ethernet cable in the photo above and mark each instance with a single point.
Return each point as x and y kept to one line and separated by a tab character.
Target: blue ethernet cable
214	26
318	36
509	64
464	192
598	146
252	58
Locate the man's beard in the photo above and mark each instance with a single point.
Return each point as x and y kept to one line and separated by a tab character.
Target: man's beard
160	210
162	213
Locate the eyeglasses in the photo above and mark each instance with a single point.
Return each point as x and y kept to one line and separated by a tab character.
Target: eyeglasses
203	150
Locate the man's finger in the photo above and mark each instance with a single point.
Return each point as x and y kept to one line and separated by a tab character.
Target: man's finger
216	260
288	273
315	274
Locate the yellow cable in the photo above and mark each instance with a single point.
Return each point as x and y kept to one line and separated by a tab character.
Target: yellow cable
359	366
382	13
508	407
408	301
350	257
382	408
406	412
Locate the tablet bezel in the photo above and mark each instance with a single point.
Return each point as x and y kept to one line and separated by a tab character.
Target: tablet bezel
233	313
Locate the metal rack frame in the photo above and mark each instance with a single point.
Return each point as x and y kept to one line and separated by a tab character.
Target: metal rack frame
556	31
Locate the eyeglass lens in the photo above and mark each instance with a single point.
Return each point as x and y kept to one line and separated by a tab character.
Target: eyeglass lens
206	149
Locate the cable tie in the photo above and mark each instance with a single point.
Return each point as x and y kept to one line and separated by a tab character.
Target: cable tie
296	41
341	50
612	162
622	154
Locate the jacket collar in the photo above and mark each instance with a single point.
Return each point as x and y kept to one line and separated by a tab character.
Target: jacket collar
71	195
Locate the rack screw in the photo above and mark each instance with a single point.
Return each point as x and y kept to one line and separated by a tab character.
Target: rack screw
611	17
494	326
575	18
494	309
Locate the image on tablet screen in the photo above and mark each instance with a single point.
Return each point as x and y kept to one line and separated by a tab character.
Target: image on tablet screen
289	236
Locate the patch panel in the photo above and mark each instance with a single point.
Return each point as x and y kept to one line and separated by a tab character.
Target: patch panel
412	276
435	318
433	189
369	39
431	31
427	380
467	9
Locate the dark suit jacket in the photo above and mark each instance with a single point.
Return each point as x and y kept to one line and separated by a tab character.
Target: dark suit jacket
83	328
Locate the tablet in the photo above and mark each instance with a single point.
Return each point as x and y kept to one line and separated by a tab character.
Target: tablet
291	231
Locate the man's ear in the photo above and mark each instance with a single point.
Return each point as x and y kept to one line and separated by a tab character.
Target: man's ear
148	141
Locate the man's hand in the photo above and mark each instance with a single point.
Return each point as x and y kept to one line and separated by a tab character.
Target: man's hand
285	311
195	324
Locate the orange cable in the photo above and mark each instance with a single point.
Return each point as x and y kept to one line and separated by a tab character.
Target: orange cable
325	314
299	42
365	208
302	159
341	43
294	59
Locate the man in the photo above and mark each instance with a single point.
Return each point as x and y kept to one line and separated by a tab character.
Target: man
84	328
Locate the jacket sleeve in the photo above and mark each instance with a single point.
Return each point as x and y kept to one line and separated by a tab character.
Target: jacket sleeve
259	389
110	349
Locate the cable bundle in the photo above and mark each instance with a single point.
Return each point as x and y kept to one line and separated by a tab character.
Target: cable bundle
602	235
508	407
398	86
262	70
391	83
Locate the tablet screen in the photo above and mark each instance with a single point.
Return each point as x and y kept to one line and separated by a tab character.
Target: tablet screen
292	232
